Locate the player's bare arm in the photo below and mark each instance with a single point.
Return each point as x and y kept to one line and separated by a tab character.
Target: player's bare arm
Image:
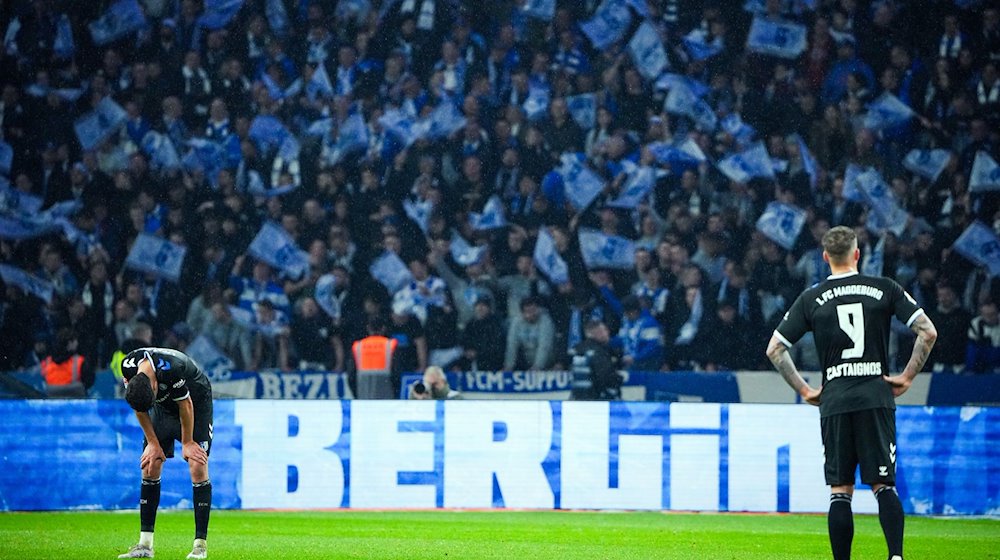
777	352
926	336
190	450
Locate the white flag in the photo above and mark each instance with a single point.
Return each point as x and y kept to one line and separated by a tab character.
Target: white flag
980	244
647	51
985	174
156	256
782	223
548	260
274	246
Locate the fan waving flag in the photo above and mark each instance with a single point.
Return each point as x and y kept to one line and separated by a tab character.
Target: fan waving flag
390	271
548	260
98	125
29	283
326	297
609	24
122	18
781	39
583	109
699	46
928	164
636	188
647	51
887	111
156	256
606	251
980	244
161	151
218	13
492	216
885	213
752	163
782	223
274	246
464	253
985	174
580	184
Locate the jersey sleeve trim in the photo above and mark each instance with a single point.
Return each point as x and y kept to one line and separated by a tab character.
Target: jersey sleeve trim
186	395
913	317
782	338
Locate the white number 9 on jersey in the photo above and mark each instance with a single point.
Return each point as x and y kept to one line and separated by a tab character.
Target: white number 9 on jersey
852	322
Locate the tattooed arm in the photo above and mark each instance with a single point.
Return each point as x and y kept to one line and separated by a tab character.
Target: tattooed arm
778	354
926	336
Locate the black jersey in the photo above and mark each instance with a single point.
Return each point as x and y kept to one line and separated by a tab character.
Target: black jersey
849	316
177	376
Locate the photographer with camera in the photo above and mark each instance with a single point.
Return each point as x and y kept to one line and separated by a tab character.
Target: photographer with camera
595	375
433	386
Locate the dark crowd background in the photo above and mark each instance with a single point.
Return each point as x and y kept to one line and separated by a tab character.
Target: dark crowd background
707	288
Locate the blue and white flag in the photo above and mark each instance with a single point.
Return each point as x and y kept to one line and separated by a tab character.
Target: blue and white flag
10	37
121	19
98	125
320	127
161	151
277	17
64	46
352	136
419	212
443	121
540	9
733	125
19	229
647	51
326	296
687	152
275	91
156	256
887	111
29	283
928	164
884	212
699	47
580	184
208	356
682	100
985	174
6	158
980	244
464	253
274	246
609	23
400	125
749	164
205	156
218	13
267	133
548	260
290	148
606	251
781	39
636	188
851	190
873	262
809	163
17	203
782	223
583	109
492	216
319	85
669	80
536	106
391	272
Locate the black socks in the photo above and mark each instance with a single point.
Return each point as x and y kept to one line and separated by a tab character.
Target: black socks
840	522
890	515
149	500
202	507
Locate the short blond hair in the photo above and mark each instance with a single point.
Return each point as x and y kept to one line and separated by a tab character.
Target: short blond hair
839	242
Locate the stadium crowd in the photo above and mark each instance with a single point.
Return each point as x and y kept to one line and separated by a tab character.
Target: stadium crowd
432	163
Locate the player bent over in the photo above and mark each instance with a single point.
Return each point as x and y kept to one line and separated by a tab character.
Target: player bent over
172	399
849	316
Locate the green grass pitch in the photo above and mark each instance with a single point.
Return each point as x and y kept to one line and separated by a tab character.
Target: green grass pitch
459	535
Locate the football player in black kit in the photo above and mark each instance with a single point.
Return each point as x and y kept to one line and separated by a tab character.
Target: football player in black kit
849	315
172	399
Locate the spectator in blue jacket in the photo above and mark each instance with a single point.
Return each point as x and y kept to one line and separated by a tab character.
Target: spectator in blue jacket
639	337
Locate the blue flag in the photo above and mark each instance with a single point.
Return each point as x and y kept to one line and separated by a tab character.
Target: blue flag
93	128
887	111
267	133
277	17
682	100
985	174
583	109
781	39
10	37
290	148
274	90
464	253
580	184
156	256
687	152
809	163
400	125
419	212
884	212
733	125
29	283
17	203
6	158
19	229
782	223
326	296
122	18
319	85
536	106
851	190
274	246
606	251
928	164
320	127
352	136
697	45
636	188
218	13
980	244
670	80
540	9
749	164
64	46
391	272
491	218
443	121
608	25
873	262
647	51
161	151
208	356
548	260
206	156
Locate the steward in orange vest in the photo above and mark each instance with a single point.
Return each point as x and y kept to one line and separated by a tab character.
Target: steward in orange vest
66	373
373	364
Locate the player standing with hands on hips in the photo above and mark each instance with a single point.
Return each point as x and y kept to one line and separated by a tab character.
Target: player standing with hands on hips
172	399
849	315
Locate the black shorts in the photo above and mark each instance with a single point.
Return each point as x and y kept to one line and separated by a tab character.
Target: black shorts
167	427
865	437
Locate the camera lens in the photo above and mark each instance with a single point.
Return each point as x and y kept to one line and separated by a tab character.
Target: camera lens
419	388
